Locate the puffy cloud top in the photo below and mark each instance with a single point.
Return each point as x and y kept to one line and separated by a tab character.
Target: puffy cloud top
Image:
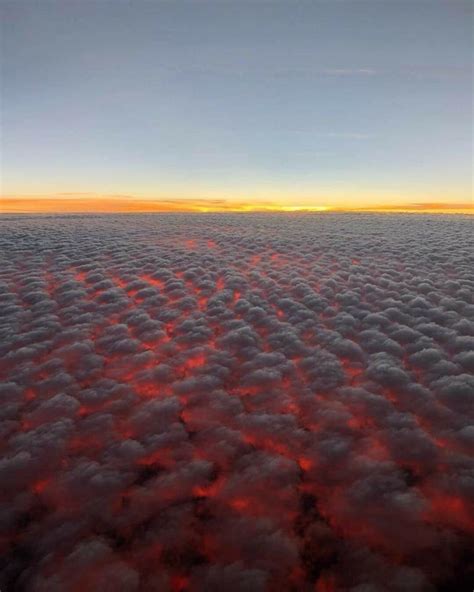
236	402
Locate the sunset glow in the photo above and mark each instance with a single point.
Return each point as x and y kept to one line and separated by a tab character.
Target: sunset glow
118	204
218	106
236	296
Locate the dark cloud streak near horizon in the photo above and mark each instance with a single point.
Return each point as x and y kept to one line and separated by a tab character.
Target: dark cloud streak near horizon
241	403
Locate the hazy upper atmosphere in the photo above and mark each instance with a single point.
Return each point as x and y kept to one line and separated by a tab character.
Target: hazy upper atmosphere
309	103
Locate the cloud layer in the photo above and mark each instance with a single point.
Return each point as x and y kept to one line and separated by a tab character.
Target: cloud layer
236	402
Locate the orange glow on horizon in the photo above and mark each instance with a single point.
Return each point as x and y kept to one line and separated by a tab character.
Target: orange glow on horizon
128	204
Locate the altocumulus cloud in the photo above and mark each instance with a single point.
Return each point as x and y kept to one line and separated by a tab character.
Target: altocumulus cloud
236	402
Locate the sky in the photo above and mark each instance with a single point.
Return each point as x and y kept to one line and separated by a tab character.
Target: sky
114	105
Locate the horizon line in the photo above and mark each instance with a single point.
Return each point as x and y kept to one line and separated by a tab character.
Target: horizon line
123	204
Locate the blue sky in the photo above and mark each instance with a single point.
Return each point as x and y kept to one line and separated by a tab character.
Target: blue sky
318	102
